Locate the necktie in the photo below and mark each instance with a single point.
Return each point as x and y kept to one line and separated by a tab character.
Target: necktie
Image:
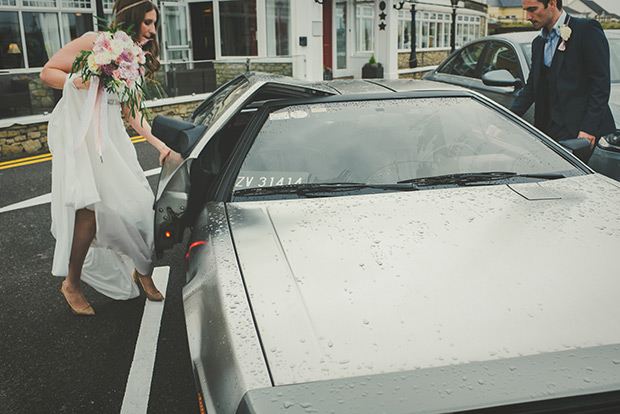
549	49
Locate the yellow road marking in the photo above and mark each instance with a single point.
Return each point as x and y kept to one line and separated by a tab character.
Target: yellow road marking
45	157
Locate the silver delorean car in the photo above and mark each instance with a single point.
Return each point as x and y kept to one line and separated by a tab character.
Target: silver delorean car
388	246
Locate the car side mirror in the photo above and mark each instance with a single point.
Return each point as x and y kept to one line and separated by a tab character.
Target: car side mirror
579	147
180	136
501	77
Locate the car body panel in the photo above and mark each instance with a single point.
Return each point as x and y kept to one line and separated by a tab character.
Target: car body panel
343	286
434	300
220	328
501	385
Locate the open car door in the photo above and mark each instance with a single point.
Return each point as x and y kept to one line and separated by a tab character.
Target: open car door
223	115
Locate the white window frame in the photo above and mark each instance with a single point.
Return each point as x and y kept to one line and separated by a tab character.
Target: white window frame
359	20
441	21
58	10
404	21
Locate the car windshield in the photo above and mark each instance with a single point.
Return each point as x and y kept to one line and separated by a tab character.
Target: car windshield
392	142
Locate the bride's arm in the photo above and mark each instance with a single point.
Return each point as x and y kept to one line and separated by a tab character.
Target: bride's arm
56	69
143	128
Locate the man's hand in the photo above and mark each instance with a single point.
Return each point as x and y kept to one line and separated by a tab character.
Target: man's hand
587	136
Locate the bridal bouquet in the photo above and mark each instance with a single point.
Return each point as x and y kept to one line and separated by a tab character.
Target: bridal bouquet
117	64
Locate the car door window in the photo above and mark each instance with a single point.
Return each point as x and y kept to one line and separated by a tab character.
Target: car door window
465	62
501	56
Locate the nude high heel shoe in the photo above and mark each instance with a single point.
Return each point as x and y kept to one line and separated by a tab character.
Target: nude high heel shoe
87	311
155	297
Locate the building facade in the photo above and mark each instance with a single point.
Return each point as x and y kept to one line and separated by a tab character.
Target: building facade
206	43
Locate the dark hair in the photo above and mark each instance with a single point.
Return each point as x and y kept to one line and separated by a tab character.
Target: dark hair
546	3
133	17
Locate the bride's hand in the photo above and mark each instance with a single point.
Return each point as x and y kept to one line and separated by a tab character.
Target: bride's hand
80	84
164	152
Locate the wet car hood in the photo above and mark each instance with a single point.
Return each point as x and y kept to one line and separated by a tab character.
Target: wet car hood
359	285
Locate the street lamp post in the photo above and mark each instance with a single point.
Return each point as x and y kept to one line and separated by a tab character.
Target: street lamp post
453	34
413	57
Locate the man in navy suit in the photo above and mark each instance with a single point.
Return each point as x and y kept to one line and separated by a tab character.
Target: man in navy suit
569	79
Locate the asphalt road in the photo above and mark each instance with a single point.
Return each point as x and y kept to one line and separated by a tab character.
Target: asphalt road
54	362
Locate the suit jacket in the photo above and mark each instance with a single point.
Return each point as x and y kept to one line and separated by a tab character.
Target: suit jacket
582	79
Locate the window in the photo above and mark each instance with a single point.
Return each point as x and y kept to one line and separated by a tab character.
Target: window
364	27
467	29
433	30
45	31
238	27
42	37
404	29
465	62
11	47
335	142
76	24
278	27
340	23
501	56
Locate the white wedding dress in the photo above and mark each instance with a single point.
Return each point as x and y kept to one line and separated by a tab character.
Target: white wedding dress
115	188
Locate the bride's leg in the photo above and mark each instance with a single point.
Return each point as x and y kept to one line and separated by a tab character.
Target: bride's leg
83	234
149	286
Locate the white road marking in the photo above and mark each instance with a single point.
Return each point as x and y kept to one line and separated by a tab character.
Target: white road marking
138	390
46	198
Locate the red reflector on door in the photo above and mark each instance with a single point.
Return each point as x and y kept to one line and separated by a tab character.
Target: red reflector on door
194	244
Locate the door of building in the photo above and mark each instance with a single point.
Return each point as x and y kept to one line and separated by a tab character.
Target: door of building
176	31
328	51
340	31
203	33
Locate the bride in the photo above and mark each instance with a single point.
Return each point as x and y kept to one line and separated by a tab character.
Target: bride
102	206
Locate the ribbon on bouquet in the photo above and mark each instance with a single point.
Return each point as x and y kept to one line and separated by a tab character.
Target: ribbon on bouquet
95	109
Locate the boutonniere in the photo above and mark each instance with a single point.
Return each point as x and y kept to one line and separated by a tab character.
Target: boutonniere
565	33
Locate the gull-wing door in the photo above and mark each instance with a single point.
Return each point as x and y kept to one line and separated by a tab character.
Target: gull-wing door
204	143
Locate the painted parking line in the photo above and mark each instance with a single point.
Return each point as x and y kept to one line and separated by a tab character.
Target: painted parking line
46	198
138	389
45	157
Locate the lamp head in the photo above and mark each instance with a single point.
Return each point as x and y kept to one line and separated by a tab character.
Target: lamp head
13	49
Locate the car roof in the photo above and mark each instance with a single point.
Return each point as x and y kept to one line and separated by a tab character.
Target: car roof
351	86
516	37
528	36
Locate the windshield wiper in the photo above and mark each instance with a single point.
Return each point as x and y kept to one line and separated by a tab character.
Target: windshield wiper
308	189
462	179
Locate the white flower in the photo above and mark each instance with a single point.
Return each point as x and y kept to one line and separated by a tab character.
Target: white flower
92	65
565	32
103	58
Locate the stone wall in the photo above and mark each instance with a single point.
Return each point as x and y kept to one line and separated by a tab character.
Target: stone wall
414	75
424	59
226	71
25	140
25	94
431	58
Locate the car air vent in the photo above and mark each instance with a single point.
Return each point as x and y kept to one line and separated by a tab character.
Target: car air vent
534	191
